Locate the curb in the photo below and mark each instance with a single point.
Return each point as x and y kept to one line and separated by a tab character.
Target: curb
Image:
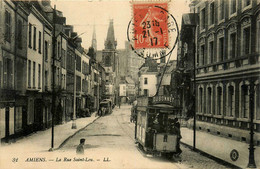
218	160
67	139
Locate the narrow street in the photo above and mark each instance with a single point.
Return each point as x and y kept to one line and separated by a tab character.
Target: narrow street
112	138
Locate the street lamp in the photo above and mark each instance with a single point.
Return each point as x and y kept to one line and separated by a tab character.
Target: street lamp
53	108
194	78
251	163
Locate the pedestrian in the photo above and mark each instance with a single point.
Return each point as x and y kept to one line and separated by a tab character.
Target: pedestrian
80	147
178	129
99	112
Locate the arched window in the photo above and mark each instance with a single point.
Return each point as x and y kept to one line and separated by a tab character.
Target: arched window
202	54
211	54
245	36
209	99
232	41
219	99
244	99
200	99
230	108
220	45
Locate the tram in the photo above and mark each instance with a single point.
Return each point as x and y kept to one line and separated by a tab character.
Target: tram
154	129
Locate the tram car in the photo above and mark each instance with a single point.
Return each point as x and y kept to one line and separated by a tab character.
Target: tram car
155	132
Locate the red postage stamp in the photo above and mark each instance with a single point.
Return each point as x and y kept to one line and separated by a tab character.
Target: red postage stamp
150	25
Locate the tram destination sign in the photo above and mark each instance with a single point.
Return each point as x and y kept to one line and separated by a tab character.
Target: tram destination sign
163	99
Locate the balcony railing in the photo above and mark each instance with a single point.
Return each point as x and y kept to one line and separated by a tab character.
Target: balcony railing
229	64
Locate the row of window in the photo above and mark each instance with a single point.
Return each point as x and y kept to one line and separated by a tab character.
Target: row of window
58	81
233	43
32	36
211	100
216	11
32	74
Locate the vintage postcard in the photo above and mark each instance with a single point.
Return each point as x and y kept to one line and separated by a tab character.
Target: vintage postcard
136	84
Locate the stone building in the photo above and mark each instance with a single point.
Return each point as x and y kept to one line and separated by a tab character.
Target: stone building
227	70
182	78
34	68
13	55
110	63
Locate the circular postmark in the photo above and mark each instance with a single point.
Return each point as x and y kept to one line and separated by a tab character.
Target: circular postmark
152	32
234	155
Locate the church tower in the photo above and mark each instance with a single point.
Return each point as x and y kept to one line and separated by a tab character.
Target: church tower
94	39
109	53
110	63
110	42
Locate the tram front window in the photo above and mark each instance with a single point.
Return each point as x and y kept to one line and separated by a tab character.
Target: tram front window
158	122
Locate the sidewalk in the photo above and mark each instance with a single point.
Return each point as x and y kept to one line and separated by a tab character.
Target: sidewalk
220	147
41	140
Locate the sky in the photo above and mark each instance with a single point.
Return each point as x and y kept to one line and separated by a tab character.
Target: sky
84	14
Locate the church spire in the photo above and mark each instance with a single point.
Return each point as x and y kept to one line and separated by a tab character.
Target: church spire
94	40
110	42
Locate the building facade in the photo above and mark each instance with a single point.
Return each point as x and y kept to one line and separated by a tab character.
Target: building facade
47	74
34	68
34	60
148	78
7	68
227	70
20	68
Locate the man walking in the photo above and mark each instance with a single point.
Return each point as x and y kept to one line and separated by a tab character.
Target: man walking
80	147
